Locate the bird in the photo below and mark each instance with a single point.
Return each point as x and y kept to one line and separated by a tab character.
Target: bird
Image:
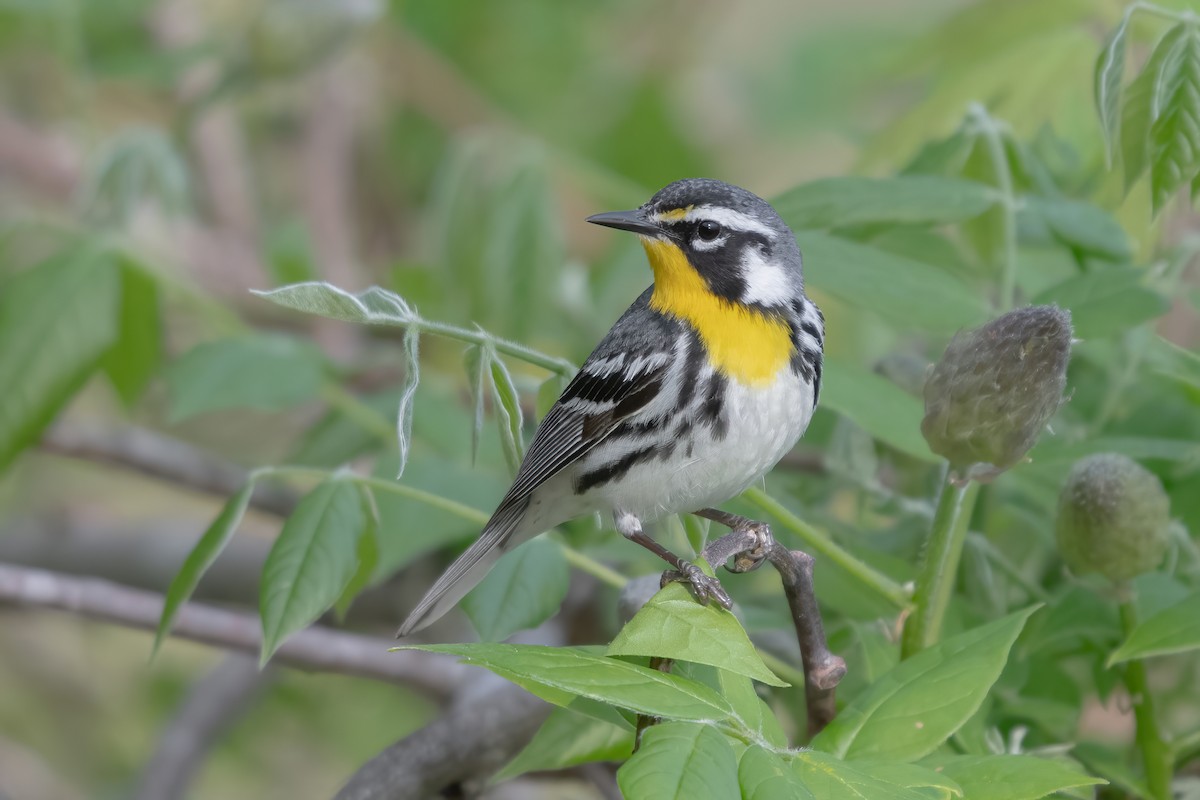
696	392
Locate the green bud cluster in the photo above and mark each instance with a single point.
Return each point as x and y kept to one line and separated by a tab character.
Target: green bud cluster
1113	517
995	388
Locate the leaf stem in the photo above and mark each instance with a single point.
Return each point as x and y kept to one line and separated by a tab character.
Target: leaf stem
942	555
559	366
990	132
589	565
820	542
1156	757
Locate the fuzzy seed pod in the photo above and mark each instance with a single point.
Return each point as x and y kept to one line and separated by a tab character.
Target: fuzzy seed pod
1113	517
995	388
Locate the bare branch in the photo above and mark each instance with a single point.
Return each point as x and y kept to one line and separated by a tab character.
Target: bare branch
216	702
316	649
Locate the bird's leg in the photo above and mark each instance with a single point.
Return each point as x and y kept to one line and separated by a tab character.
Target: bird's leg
746	556
705	587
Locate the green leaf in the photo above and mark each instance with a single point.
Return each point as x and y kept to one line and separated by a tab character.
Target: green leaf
136	354
263	372
748	707
1141	110
475	365
673	625
875	404
408	393
1081	226
523	590
1175	132
508	412
56	322
374	306
912	776
311	562
680	761
1109	74
1172	630
200	559
905	199
1104	302
915	707
763	775
1008	777
367	551
567	739
825	776
571	672
912	294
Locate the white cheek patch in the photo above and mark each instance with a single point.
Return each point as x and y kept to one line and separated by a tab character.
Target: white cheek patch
766	282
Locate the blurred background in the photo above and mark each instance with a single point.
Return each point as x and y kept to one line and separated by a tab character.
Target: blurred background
448	151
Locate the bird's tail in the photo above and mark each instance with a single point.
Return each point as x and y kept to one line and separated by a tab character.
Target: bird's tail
468	569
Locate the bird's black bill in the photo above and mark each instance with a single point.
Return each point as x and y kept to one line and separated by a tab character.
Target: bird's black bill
634	221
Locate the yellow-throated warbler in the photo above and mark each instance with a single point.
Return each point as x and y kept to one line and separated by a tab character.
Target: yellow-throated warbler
698	390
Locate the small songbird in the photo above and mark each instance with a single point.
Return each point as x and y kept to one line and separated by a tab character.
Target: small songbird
698	390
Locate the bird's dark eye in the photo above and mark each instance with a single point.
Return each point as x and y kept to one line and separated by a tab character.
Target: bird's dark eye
708	230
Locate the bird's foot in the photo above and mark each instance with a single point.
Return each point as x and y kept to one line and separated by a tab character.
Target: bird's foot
753	558
704	587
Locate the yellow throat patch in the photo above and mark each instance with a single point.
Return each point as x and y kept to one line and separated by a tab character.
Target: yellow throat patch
742	343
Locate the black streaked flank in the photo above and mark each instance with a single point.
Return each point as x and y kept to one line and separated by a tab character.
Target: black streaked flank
712	410
616	469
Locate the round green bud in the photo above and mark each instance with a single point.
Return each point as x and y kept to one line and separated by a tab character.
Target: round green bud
995	388
1113	517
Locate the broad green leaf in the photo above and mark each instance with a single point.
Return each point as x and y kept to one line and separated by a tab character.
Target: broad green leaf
509	417
875	404
1081	226
1173	630
912	294
56	322
1175	132
912	776
1140	109
262	372
340	437
367	551
680	761
1054	451
1008	777
200	559
911	710
136	354
311	562
827	777
523	590
1105	301
475	363
673	625
568	738
763	775
755	715
571	672
412	378
1110	72
905	199
374	306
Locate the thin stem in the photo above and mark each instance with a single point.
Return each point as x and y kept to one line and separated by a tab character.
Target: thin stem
942	555
1008	201
527	354
782	668
820	543
1155	755
589	565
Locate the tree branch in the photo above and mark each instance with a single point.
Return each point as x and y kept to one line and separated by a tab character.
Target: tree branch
316	649
215	703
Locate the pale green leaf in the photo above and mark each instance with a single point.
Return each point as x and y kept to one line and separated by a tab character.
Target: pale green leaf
56	322
1081	226
912	776
264	372
523	590
680	761
876	405
1109	74
560	674
905	199
311	562
134	357
911	294
673	625
408	393
1175	132
1173	630
916	706
763	775
1008	777
367	551
374	306
1140	110
475	365
509	416
827	777
568	738
1104	302
202	556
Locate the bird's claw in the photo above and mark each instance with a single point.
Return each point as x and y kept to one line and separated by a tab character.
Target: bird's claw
753	558
704	587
